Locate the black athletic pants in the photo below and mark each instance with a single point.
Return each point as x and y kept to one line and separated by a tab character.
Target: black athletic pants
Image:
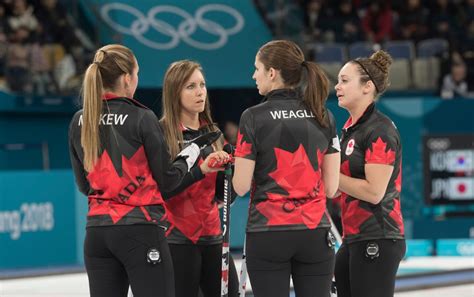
304	254
359	276
116	256
199	267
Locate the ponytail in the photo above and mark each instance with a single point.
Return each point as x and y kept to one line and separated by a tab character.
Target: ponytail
288	57
110	62
316	91
92	107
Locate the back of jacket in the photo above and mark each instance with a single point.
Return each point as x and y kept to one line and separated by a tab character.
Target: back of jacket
126	184
288	146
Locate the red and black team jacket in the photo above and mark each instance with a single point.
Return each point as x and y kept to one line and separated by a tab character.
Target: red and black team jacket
288	145
373	139
193	214
133	170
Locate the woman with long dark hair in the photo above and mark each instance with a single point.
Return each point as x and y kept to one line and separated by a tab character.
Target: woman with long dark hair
289	148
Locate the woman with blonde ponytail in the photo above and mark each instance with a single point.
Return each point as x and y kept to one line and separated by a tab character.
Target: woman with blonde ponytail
288	147
370	184
121	163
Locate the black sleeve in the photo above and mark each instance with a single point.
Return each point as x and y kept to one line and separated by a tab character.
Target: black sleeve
334	145
172	177
190	178
77	165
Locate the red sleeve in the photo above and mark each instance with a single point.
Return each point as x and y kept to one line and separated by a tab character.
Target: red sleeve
383	144
246	137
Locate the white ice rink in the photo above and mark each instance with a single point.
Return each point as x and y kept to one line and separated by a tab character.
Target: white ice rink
76	285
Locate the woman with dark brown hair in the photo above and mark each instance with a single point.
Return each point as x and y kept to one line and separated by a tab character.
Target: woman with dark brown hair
289	148
122	165
195	235
370	183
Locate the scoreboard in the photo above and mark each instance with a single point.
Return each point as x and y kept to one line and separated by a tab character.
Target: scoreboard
448	168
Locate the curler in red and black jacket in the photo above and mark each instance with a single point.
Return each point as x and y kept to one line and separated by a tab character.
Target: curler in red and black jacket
133	170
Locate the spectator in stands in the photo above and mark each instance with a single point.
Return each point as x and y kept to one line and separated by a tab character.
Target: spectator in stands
55	27
443	22
66	72
41	70
3	41
22	16
377	22
413	20
263	7
346	24
455	84
316	20
18	59
467	11
284	18
466	48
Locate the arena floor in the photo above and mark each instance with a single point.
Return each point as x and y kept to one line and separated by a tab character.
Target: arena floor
418	277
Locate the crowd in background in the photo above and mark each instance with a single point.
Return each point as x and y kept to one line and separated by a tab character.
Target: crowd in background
41	48
378	21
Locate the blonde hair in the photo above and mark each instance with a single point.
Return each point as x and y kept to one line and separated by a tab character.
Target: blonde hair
176	76
110	62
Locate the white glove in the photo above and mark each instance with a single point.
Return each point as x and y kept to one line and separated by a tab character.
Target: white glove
190	154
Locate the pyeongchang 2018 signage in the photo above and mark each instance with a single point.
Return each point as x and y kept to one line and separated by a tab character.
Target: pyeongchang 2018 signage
222	35
37	219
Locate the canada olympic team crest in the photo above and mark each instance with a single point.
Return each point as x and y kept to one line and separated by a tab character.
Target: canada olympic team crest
350	147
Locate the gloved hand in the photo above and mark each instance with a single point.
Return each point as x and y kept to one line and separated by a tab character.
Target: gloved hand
228	148
206	139
214	163
192	151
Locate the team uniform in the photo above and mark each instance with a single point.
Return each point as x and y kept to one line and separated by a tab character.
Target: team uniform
195	235
287	228
373	234
126	222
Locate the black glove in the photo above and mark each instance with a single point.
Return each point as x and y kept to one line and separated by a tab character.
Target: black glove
193	150
229	148
207	139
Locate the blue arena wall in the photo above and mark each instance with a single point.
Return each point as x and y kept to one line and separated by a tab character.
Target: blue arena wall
38	219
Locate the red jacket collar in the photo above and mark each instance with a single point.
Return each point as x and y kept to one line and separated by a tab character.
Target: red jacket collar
202	123
368	111
112	96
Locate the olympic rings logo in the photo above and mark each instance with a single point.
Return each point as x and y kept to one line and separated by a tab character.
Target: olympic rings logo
184	30
438	144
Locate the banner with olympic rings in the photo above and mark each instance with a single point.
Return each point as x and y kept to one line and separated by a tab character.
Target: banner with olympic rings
221	35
